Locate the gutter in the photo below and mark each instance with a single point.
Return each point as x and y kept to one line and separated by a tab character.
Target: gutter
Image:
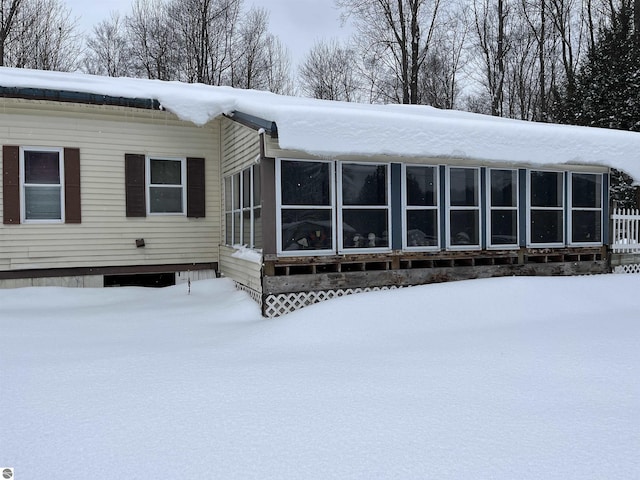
78	97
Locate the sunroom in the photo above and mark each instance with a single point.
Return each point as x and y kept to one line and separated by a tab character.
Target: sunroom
327	208
348	225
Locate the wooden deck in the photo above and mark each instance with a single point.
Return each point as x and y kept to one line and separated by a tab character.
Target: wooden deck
306	274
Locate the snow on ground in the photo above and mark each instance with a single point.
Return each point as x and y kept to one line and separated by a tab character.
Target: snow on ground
511	378
329	128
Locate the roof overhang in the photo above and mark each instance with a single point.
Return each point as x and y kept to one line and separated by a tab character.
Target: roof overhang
254	122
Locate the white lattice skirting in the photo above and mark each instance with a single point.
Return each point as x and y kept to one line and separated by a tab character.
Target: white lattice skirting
276	305
254	294
632	268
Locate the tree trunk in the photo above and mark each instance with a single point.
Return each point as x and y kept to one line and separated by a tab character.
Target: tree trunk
496	107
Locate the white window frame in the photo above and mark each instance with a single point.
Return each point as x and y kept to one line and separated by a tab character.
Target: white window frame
254	206
183	184
560	209
331	208
242	208
23	184
341	207
490	208
448	208
571	208
406	208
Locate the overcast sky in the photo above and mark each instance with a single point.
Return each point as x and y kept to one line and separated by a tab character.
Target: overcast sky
298	23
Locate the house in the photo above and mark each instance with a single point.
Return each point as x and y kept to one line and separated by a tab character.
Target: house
113	181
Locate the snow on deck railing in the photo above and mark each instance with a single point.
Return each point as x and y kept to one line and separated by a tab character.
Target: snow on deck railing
626	230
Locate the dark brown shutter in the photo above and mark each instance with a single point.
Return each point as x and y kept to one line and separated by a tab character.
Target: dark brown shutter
72	207
135	185
195	188
11	184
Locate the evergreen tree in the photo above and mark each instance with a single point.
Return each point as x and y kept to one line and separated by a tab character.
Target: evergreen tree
606	92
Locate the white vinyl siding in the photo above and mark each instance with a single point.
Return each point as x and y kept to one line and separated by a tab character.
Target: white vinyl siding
240	150
243	271
106	237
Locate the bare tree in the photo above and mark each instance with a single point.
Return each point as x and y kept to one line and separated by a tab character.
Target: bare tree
206	30
328	72
153	40
396	36
278	71
44	37
108	51
440	74
492	43
8	11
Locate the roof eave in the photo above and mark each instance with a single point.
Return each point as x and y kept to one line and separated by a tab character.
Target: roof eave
77	97
254	122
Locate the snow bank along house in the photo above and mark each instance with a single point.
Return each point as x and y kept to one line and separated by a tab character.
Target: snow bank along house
126	181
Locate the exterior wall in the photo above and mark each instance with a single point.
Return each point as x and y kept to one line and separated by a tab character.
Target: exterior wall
240	149
106	237
299	277
240	146
80	281
184	277
242	271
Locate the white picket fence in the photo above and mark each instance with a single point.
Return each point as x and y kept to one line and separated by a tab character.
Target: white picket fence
626	231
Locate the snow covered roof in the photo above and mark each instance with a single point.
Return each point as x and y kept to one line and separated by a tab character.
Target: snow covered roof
329	128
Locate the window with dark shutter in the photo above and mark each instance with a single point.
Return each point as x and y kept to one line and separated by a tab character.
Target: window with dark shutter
135	185
73	211
11	184
195	188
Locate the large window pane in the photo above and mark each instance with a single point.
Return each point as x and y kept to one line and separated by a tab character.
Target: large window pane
463	186
42	203
546	189
166	172
236	227
236	191
165	200
306	229
305	183
546	226
365	228
421	186
364	184
503	188
257	228
504	227
41	167
228	229
586	226
246	227
586	190
246	188
257	193
422	228
227	194
464	227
